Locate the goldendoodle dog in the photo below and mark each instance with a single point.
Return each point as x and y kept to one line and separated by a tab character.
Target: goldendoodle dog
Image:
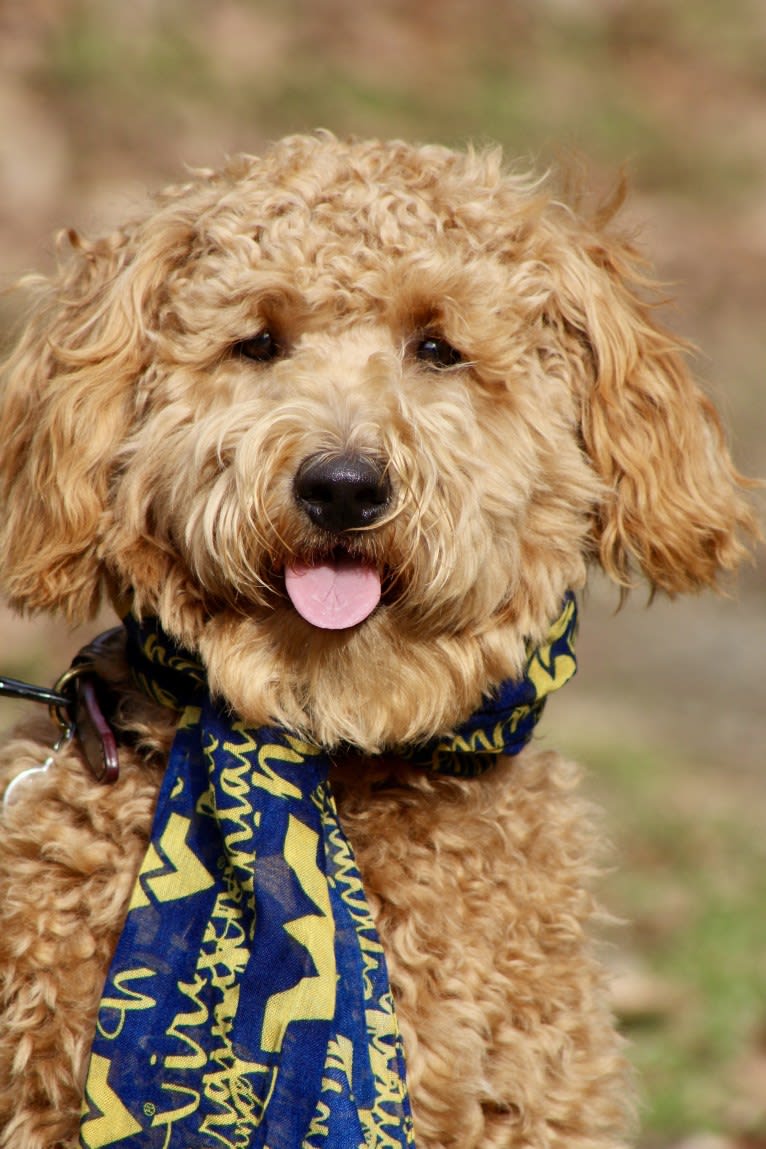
338	432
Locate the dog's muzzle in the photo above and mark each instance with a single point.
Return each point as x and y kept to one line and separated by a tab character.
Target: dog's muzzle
342	492
337	589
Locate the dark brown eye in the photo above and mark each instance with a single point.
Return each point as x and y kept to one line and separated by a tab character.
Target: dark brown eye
260	349
437	352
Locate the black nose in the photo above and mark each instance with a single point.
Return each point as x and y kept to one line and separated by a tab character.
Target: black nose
342	492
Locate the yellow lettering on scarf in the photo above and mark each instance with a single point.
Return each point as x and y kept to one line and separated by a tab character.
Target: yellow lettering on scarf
188	875
265	778
320	1122
351	890
133	999
170	1116
389	1086
197	1058
235	783
548	671
546	678
340	1056
113	1122
312	998
228	1086
241	1110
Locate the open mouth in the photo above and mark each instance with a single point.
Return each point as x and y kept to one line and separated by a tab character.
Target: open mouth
335	592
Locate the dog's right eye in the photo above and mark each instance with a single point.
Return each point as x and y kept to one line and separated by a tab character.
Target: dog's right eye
260	349
437	352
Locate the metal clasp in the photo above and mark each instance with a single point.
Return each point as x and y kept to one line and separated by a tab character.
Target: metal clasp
62	712
75	709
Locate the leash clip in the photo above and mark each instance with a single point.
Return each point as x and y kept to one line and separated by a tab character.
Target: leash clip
84	717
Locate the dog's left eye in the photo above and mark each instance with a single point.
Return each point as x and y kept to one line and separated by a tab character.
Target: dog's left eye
437	352
261	348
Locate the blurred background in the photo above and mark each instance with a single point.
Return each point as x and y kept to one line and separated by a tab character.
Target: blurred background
102	102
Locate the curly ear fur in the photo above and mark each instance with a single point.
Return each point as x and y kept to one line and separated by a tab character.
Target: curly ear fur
68	401
64	409
674	505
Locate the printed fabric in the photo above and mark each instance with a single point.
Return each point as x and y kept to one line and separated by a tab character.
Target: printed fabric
247	1005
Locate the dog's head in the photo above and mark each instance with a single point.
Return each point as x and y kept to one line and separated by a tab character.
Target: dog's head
350	419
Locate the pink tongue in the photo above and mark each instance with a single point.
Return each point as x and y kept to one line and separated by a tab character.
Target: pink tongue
333	595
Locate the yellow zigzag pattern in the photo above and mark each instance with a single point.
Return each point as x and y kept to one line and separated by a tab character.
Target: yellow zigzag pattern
186	876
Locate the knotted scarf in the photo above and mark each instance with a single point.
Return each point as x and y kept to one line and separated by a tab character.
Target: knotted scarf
247	1004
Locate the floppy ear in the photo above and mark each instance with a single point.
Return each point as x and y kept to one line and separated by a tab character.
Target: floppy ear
65	407
674	506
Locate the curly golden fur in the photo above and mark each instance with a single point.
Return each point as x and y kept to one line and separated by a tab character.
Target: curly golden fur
150	456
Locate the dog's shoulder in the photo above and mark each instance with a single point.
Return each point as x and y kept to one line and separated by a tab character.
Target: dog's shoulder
69	851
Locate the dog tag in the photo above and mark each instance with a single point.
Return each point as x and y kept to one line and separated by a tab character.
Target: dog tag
17	784
94	733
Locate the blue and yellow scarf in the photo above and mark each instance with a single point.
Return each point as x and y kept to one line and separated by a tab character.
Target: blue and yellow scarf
247	1005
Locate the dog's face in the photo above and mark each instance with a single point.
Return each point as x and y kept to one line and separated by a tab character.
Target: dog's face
350	420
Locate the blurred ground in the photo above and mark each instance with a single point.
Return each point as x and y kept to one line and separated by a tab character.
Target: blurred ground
102	101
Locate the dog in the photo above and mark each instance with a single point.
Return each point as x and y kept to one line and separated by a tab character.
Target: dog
347	425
